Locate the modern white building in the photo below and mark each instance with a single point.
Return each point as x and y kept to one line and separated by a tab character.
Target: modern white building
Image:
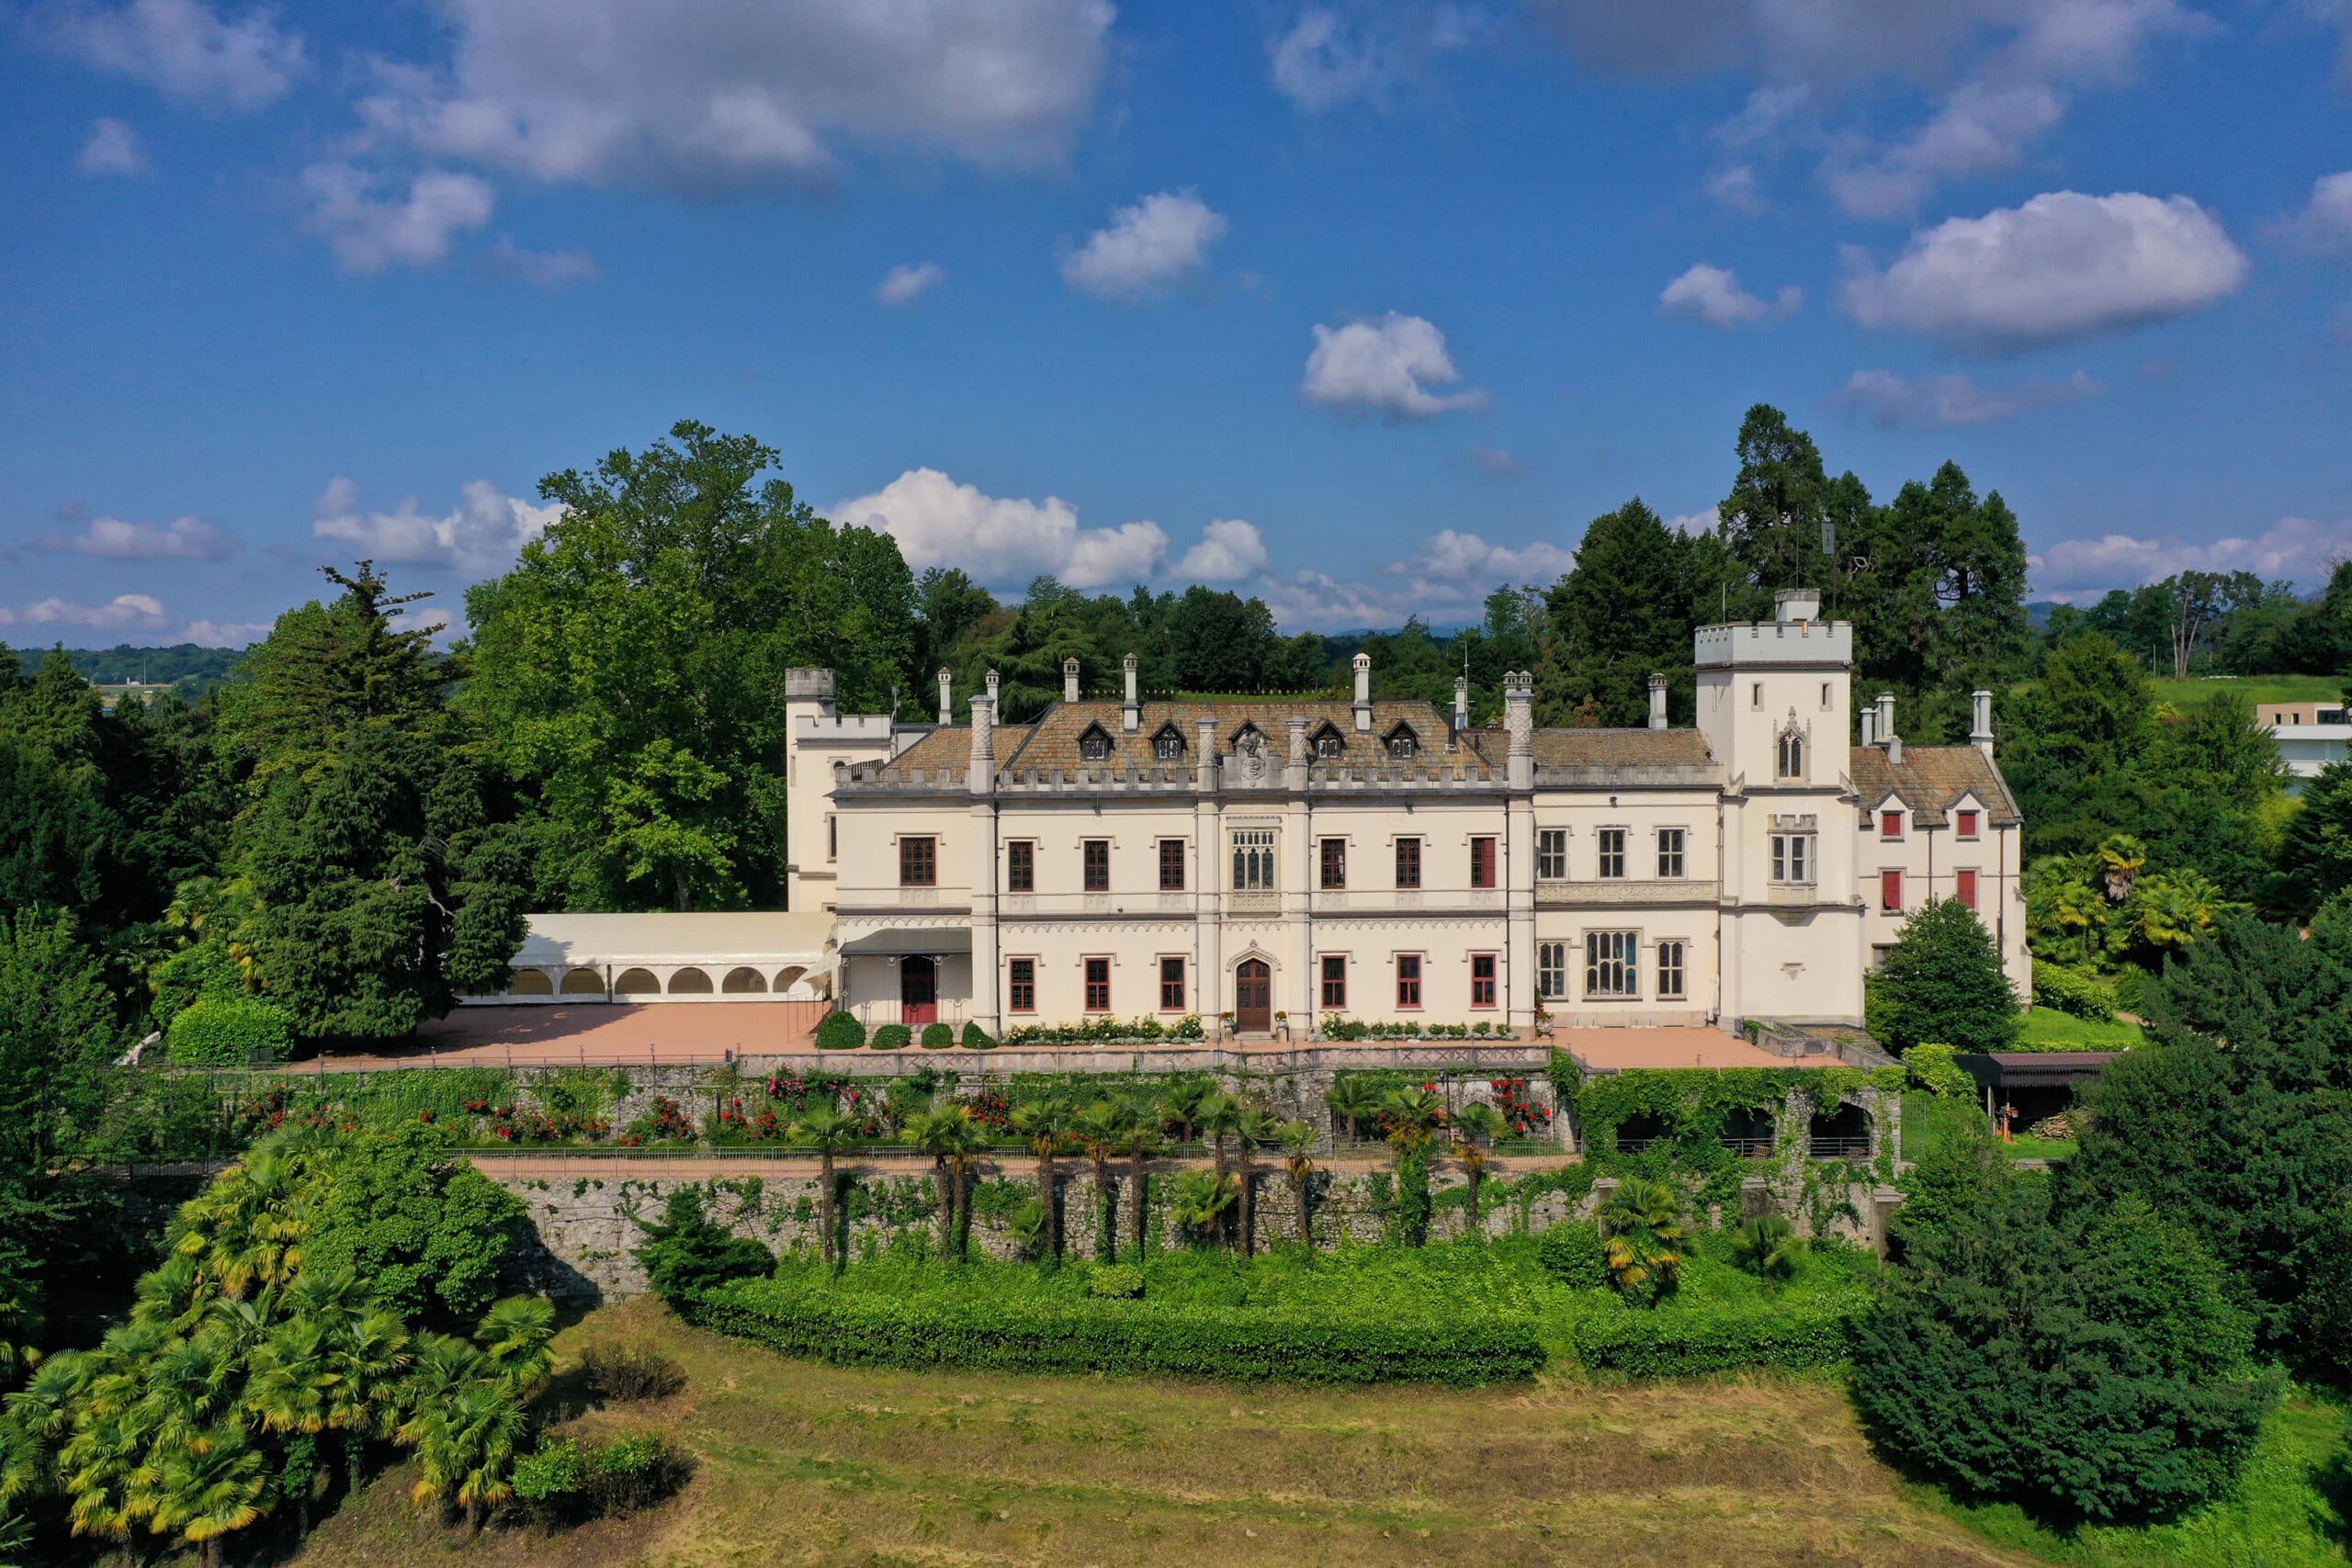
1273	858
2309	736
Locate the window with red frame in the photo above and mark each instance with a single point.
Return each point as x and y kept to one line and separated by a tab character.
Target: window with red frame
1098	985
1408	980
1964	889
918	863
1335	980
1022	991
1890	891
1890	824
1098	865
1021	866
1963	824
1172	866
1408	863
1482	979
1335	862
1172	985
1482	862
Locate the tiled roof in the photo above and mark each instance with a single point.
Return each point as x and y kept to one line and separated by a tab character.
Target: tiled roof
1622	748
1931	779
1053	741
952	748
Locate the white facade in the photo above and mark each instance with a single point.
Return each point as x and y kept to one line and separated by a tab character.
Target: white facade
2310	736
1381	861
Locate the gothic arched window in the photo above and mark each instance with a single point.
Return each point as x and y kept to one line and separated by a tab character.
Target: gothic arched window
1329	745
1790	763
1094	746
1167	745
1403	742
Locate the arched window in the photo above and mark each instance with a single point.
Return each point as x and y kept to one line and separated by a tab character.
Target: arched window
583	983
530	983
744	979
689	982
1094	746
636	983
1167	745
1792	755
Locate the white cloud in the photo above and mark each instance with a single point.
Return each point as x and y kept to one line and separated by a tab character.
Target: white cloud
1146	246
2325	222
478	538
540	270
1320	62
904	285
2020	93
1229	551
123	613
939	523
1319	602
2299	549
1891	403
2063	265
183	538
224	634
1733	185
369	233
1455	556
1388	364
113	149
696	95
183	48
1694	522
1713	294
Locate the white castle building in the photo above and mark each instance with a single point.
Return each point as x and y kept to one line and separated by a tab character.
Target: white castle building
1383	861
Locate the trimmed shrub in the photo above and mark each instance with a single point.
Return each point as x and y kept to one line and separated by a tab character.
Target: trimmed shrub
1572	1254
552	1481
1122	1337
685	1251
1932	1068
2075	992
633	1472
893	1037
1117	1281
229	1032
625	1372
1942	980
938	1036
977	1039
841	1032
1682	1344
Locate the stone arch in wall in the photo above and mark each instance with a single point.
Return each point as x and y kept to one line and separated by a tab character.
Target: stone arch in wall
585	983
636	983
742	978
1840	1131
787	979
689	982
529	983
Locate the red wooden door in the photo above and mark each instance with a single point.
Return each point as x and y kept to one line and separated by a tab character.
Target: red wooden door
1254	997
918	992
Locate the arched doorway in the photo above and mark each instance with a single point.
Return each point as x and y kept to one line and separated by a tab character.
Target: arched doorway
1253	997
918	991
585	983
690	983
530	983
744	979
636	983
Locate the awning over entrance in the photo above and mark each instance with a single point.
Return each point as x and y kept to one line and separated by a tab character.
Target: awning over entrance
2034	1069
906	941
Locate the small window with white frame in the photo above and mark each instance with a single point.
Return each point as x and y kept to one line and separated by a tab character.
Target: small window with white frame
1550	854
1793	857
1612	853
1551	970
1613	963
1670	843
1672	975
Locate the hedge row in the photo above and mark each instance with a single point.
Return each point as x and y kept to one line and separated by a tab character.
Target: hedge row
1673	1345
1134	1337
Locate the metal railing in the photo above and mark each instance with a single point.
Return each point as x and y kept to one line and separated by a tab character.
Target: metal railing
1838	1145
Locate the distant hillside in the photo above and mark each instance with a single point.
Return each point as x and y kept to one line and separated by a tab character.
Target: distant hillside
187	666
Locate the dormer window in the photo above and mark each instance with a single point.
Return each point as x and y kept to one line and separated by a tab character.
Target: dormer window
1403	743
1094	746
1167	745
1329	744
1789	759
1249	738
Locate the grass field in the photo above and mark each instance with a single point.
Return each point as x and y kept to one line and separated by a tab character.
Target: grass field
2254	688
819	1466
2047	1029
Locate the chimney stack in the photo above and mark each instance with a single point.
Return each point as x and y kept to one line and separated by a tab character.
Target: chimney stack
992	685
1885	730
1133	718
1981	733
1461	706
946	697
981	780
1867	714
1363	693
1657	702
1519	724
1070	679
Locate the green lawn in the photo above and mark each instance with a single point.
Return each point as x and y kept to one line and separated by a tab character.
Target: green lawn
2047	1029
2255	688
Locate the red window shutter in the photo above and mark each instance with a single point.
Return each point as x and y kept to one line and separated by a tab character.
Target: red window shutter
1967	889
1889	890
1890	824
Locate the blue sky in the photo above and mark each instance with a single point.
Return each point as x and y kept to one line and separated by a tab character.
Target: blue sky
1362	307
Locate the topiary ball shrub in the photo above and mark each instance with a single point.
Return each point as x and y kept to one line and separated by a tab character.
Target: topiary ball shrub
841	1032
893	1037
977	1039
230	1032
938	1036
1572	1254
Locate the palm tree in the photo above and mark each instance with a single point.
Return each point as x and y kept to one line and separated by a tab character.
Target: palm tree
963	1159
1096	1128
1139	1140
1040	1124
1199	1203
374	1352
1768	1247
1642	1222
1471	1124
1220	1118
514	1336
1298	1162
2172	908
465	1448
2122	858
937	1132
823	1128
1414	1116
208	1490
1356	1099
1257	1126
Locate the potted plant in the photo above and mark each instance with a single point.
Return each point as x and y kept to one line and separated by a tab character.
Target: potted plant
1282	1025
